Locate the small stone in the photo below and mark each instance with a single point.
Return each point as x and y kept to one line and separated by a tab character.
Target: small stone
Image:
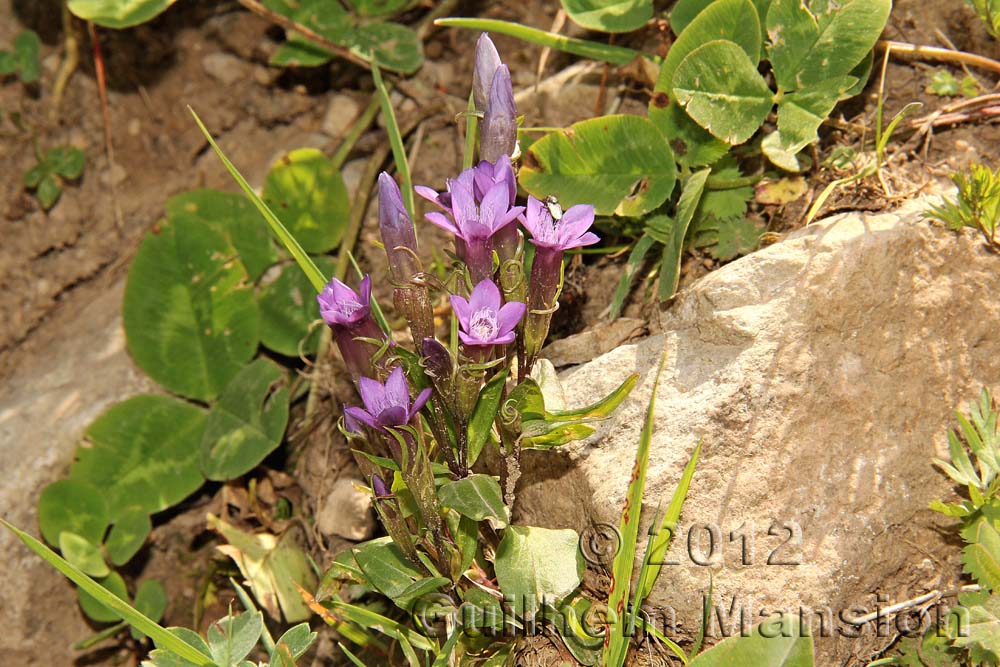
340	113
347	512
224	68
351	173
135	127
113	175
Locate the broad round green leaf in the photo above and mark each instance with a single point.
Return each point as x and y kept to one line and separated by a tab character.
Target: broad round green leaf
620	164
720	88
799	116
142	452
247	423
151	600
777	642
118	13
385	566
83	553
685	11
477	497
378	7
74	506
288	308
395	47
232	638
609	15
66	161
693	146
190	313
233	216
733	20
813	40
94	609
309	196
128	534
538	564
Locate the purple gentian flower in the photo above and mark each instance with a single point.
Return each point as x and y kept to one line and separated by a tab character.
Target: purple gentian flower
487	63
499	129
397	231
339	305
482	320
572	230
380	488
386	405
349	314
474	220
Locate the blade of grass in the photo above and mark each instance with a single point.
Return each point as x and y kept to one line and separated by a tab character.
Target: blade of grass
471	129
355	660
163	638
632	266
94	640
652	563
616	55
312	272
706	617
395	139
663	639
615	641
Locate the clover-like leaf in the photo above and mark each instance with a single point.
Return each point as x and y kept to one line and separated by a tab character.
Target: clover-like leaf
609	15
96	610
719	87
621	164
309	196
190	313
128	534
118	13
233	216
75	506
247	423
83	553
810	41
151	601
142	452
288	309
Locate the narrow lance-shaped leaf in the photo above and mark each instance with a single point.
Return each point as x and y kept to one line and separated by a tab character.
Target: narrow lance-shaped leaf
160	635
615	639
670	269
653	561
305	263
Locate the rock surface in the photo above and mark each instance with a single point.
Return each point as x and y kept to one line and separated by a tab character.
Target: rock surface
821	374
44	408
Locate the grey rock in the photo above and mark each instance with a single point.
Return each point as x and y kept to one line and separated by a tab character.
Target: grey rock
340	114
45	405
225	68
821	374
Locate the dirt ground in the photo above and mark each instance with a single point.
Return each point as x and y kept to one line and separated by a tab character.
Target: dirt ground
64	258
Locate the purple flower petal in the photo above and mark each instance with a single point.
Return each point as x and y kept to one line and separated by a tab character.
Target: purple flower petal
366	291
430	194
440	220
471	340
359	415
494	206
397	392
462	310
509	315
590	238
352	424
484	295
576	220
420	401
393	415
372	394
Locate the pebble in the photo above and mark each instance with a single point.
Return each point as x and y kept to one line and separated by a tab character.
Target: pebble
347	512
225	68
351	173
340	113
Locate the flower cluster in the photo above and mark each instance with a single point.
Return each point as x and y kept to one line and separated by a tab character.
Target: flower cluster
502	301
